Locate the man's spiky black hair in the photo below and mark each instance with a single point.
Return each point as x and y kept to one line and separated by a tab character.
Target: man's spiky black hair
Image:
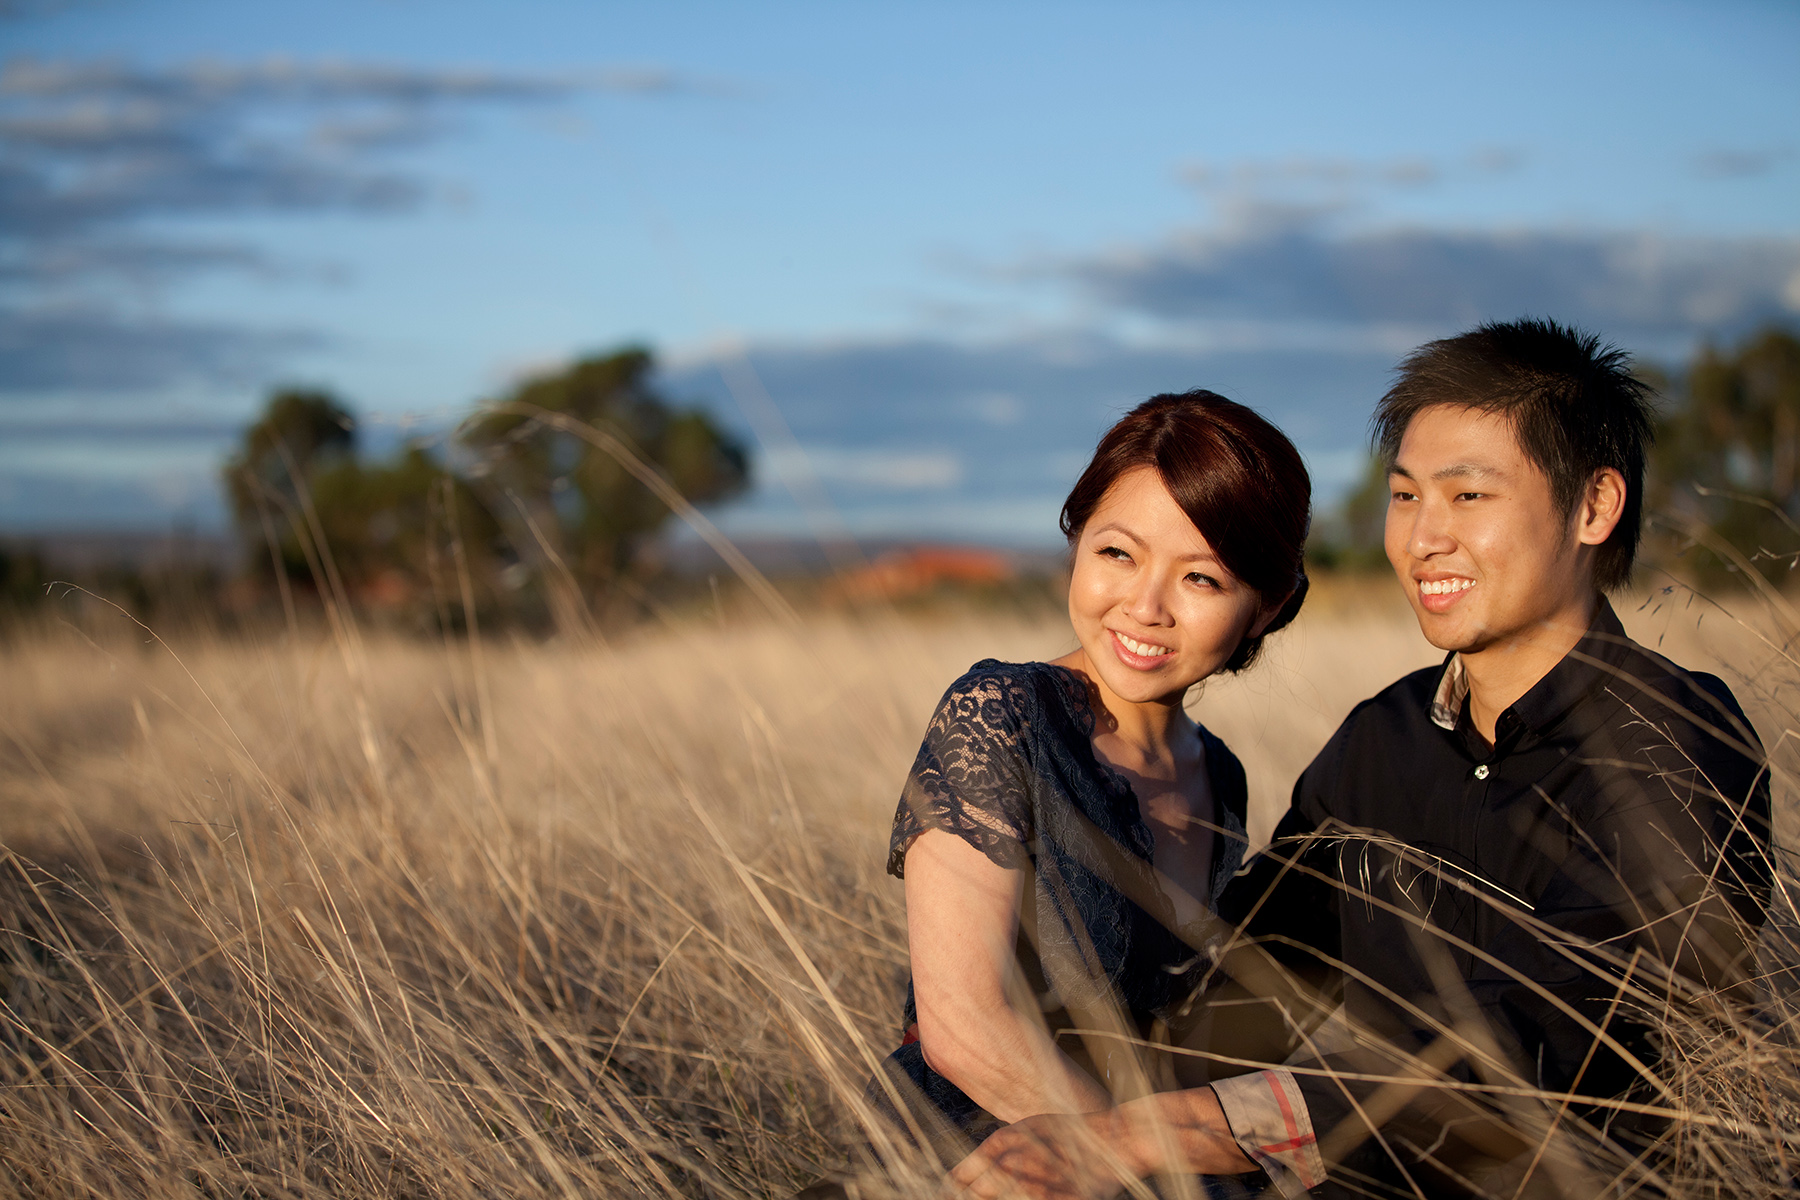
1572	400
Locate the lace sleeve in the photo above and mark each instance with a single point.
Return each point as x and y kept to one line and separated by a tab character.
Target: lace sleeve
970	778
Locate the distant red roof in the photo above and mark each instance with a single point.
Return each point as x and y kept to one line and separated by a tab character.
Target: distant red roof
908	572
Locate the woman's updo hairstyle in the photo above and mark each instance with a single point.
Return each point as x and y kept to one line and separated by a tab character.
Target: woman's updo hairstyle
1238	479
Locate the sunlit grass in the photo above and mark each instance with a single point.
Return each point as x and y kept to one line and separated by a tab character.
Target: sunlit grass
340	915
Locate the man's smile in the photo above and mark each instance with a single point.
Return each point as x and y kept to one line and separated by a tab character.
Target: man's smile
1440	595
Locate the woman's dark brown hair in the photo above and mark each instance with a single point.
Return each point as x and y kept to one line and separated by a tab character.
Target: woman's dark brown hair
1238	479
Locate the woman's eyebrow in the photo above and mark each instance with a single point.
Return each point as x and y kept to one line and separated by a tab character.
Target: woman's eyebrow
1115	527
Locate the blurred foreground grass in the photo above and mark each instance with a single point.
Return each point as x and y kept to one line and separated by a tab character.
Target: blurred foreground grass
326	915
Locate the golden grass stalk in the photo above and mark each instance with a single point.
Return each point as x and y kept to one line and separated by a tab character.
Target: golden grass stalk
298	915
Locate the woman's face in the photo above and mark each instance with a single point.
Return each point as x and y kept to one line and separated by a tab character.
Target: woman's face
1154	608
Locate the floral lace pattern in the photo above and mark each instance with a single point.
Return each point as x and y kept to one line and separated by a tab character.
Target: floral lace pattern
1008	765
970	775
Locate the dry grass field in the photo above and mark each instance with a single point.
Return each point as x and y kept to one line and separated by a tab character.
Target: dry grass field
357	916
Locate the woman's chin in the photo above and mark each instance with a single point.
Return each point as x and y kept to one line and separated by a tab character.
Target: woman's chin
1136	685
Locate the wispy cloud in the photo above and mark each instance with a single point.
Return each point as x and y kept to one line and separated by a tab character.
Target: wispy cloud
95	350
1296	250
879	470
94	155
1741	163
1272	265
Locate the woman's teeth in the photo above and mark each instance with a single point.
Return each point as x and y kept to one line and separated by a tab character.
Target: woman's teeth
1145	649
1443	587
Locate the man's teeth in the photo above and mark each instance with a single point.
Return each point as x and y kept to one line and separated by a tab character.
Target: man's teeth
1143	648
1443	587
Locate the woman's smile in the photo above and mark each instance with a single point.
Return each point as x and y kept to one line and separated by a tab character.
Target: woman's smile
1141	656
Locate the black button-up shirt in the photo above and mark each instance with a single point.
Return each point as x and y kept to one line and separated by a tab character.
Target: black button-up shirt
1482	905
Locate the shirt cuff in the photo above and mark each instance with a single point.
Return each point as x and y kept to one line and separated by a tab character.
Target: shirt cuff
1269	1122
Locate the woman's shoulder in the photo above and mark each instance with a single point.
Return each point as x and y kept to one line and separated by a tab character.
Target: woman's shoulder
993	678
1008	695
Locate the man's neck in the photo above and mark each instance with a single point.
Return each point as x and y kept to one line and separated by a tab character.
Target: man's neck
1501	672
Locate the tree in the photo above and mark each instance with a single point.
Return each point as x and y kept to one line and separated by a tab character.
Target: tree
1351	537
390	533
299	432
394	529
571	501
1727	460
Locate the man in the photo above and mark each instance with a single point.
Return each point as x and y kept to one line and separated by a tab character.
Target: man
1500	864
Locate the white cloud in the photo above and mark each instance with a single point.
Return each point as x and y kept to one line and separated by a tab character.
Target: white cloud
889	470
999	409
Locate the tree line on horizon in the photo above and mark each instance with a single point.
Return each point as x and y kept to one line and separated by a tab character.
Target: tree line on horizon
518	516
514	514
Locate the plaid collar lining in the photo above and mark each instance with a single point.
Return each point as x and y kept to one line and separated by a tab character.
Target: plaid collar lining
1452	691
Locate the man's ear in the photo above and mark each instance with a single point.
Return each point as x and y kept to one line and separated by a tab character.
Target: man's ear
1601	507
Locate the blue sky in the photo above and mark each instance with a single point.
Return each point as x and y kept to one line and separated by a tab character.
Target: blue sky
935	247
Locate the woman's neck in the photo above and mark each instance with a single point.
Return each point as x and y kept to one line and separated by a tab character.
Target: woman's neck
1149	728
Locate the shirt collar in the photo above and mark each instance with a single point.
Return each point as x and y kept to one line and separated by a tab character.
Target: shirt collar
1576	674
1452	690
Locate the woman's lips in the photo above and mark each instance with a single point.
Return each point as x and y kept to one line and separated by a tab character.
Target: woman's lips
1138	659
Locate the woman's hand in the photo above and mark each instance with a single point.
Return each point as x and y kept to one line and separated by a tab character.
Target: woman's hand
1092	1156
1046	1157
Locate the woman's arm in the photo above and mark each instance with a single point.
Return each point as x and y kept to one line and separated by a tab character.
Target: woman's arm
962	918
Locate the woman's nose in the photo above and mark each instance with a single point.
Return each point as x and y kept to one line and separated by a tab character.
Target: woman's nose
1148	601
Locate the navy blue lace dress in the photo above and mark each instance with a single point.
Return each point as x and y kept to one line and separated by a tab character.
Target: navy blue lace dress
1008	765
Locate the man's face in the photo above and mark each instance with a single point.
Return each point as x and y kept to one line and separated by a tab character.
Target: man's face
1475	536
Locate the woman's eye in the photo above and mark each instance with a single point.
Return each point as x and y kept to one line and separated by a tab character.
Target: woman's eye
1114	552
1202	580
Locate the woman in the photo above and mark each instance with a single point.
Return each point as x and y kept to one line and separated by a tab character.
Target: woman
1067	826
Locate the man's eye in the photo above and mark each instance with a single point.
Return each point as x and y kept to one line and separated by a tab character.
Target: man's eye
1404	496
1470	495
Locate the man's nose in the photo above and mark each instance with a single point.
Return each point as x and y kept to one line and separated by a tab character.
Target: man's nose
1430	533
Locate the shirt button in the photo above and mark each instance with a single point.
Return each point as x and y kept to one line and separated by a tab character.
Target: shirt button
1481	772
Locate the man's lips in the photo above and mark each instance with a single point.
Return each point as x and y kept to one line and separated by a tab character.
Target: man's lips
1141	656
1441	594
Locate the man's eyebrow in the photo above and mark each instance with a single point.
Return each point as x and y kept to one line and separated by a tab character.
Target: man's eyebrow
1464	471
1453	471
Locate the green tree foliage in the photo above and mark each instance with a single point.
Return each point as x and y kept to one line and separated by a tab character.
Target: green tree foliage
397	526
317	515
1349	538
299	433
22	578
563	499
1728	458
519	499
